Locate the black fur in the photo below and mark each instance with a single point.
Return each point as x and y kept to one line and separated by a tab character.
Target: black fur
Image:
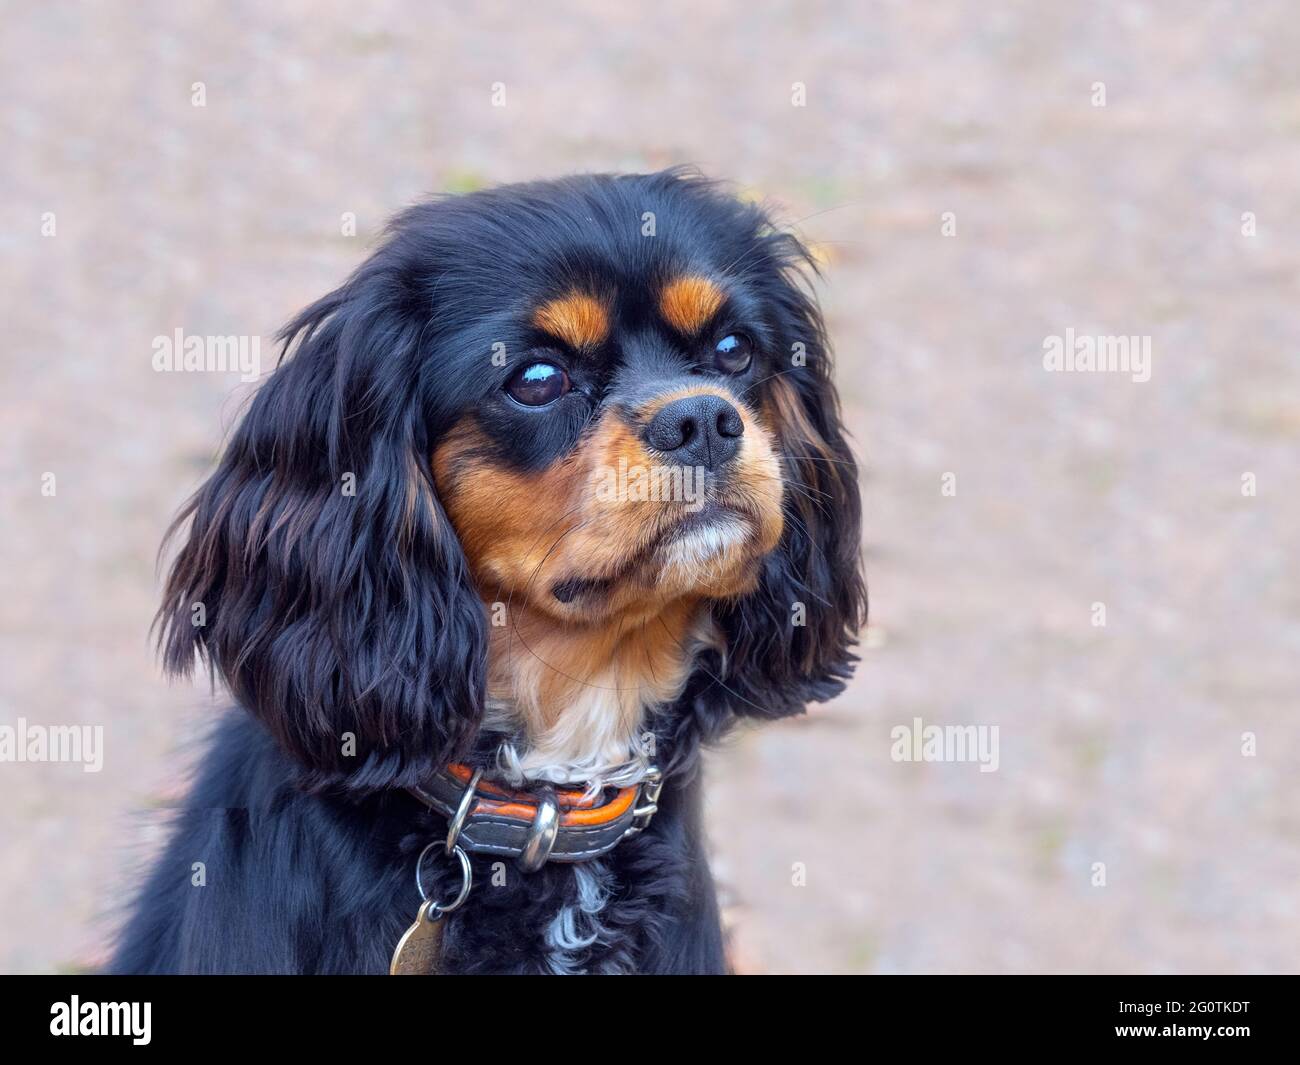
330	614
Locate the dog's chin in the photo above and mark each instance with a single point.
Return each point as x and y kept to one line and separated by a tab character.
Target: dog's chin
708	552
705	548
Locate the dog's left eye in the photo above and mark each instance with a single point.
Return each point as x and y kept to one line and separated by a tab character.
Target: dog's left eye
538	384
733	353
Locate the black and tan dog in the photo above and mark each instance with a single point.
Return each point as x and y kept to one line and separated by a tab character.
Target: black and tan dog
543	498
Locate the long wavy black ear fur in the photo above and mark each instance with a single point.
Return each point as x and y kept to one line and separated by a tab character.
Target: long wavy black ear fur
790	641
333	594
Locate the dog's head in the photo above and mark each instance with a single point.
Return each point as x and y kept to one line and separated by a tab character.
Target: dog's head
540	423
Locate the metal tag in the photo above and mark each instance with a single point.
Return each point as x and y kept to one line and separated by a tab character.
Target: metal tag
420	946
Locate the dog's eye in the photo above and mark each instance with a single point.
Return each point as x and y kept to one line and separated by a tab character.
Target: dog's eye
733	353
538	384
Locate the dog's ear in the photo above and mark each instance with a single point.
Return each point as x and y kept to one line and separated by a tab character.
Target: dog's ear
790	641
319	575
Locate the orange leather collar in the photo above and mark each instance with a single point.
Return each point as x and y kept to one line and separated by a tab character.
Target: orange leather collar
575	807
539	825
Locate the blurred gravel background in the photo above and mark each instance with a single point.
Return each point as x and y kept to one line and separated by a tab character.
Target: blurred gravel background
1119	744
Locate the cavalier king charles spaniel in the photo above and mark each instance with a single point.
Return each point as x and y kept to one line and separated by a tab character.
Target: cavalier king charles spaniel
546	496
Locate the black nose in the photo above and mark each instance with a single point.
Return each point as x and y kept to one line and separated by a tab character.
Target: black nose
697	431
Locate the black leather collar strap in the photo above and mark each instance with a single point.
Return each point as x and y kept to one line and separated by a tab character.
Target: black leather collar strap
538	826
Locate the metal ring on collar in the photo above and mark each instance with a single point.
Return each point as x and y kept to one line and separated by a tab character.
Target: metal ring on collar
437	909
462	811
542	834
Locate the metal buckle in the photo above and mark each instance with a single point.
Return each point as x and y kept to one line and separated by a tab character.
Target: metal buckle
651	788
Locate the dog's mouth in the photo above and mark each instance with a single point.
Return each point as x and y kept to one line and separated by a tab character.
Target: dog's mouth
688	546
575	589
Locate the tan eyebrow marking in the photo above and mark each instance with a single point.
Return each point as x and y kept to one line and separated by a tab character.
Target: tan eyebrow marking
687	303
576	318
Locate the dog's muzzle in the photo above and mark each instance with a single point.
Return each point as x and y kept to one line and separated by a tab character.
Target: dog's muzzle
539	826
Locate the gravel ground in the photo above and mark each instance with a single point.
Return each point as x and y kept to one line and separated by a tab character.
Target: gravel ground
1119	744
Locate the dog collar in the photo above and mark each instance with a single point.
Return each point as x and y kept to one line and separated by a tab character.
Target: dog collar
541	825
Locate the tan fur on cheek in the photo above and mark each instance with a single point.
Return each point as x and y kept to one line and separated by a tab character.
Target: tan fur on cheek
506	521
523	532
612	526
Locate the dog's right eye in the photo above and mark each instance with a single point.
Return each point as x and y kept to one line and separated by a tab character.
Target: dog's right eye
538	384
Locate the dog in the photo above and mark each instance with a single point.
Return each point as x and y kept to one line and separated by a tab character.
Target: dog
550	493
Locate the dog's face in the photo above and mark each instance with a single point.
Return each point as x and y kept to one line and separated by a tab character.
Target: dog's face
597	404
622	459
